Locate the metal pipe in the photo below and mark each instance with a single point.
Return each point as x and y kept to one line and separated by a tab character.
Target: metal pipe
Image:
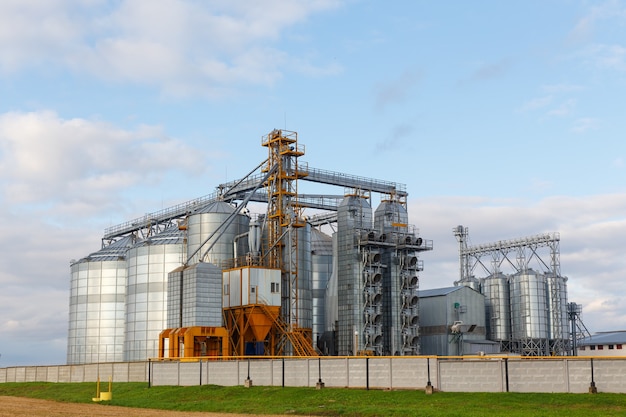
428	384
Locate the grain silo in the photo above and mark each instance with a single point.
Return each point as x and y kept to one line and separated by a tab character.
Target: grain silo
495	288
400	309
97	299
529	313
558	313
149	263
321	270
354	215
210	239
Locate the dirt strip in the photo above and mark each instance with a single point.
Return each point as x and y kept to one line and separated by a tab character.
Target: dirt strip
19	406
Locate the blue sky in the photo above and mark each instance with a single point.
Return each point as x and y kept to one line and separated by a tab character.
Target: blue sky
506	118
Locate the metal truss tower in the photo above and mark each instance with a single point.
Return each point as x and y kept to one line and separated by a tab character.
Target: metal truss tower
284	214
519	254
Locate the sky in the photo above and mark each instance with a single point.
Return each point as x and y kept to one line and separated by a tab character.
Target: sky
505	117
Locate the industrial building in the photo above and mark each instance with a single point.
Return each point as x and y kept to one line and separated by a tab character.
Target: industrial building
246	271
208	277
603	344
452	322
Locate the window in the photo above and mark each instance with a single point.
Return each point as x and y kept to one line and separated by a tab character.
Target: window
581	348
226	289
592	347
619	346
252	290
600	347
611	347
275	287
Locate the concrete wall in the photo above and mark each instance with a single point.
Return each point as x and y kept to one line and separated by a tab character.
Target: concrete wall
119	372
468	374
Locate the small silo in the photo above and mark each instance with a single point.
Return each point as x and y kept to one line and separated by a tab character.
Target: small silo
97	298
321	270
529	313
495	288
149	263
209	219
558	315
354	215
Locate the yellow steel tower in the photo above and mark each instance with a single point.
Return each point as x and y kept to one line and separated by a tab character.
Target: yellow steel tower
284	215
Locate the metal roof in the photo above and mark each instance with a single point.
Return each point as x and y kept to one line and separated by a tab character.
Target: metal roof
604	338
438	292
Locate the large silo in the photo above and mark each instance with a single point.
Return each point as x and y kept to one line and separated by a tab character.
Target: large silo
495	288
321	270
400	317
149	263
204	222
354	215
529	313
97	297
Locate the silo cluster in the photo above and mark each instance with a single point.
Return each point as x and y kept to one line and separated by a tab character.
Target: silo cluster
124	295
526	311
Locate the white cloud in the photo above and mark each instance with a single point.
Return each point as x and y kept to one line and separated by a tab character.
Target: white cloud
586	25
593	236
564	109
44	157
537	103
182	46
584	124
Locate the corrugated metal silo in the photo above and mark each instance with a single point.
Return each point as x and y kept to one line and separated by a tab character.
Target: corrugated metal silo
321	270
201	302
305	303
498	307
201	224
149	263
529	312
97	298
353	215
557	298
400	281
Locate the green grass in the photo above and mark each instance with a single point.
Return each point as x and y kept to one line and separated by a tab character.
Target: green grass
328	401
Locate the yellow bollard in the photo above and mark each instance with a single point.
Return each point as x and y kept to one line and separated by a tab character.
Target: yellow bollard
97	397
106	396
103	396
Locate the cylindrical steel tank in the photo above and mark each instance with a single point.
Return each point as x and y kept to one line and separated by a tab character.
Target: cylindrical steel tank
529	310
557	306
305	302
321	270
498	305
149	263
201	224
354	215
96	320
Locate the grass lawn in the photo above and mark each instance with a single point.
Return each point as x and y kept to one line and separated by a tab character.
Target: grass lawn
328	401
